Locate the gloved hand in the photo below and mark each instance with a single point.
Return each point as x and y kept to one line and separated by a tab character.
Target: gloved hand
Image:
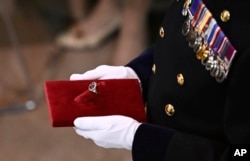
107	72
114	131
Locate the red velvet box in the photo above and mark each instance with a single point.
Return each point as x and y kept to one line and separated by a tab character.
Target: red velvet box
68	100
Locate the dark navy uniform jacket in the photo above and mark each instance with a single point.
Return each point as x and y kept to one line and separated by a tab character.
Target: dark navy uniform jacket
191	116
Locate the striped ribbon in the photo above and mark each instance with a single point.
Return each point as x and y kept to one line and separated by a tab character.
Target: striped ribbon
204	22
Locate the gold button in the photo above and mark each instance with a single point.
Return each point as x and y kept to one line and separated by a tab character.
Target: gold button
180	79
225	16
169	109
161	32
154	69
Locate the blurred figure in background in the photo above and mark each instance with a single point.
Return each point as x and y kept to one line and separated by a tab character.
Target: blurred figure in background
84	24
88	31
128	16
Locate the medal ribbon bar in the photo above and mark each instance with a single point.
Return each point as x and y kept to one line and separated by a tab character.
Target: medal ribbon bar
207	39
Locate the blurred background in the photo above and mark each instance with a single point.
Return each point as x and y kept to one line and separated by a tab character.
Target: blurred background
44	40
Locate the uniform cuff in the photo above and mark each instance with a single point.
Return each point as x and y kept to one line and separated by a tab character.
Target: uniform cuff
150	142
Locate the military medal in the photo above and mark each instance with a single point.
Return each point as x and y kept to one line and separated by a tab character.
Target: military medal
208	41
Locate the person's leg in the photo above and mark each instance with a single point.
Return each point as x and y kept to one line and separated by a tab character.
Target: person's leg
133	36
77	9
92	30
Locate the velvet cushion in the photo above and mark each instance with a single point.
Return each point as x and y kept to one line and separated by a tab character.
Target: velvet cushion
68	100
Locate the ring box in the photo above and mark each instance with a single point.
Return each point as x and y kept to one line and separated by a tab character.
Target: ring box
67	99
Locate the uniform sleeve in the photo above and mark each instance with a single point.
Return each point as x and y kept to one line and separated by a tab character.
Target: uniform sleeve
142	65
150	142
159	143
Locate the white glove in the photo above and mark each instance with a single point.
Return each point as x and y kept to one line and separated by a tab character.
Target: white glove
107	72
108	131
